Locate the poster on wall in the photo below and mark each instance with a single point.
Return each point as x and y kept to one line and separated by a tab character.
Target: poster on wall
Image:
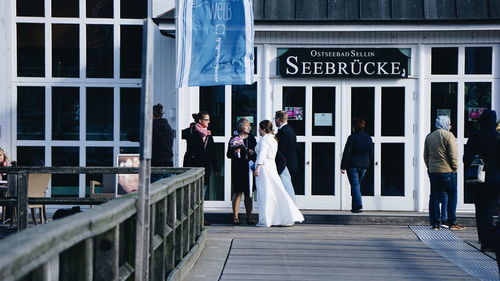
474	113
126	183
444	112
295	112
323	119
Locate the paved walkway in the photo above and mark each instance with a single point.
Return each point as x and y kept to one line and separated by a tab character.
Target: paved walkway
322	252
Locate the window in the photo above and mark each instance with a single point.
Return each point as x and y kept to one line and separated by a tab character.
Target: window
212	100
65	113
99	8
65	8
30	113
99	113
30	8
65	50
99	51
131	51
30	50
444	60
478	60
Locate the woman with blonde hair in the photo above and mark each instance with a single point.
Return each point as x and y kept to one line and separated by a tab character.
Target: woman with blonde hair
4	162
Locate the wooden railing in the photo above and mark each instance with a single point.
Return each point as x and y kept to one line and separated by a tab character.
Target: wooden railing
99	243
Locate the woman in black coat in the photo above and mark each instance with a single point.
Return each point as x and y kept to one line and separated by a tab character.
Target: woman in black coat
356	159
240	156
200	147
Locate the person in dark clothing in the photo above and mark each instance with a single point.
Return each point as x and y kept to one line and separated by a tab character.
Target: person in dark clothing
163	139
357	157
200	151
287	146
486	143
241	150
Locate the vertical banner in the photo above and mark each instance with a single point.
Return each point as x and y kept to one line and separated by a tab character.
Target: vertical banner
214	42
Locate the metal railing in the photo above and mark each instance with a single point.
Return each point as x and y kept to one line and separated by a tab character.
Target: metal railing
99	243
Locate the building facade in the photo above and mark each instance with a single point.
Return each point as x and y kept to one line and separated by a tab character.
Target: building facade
70	82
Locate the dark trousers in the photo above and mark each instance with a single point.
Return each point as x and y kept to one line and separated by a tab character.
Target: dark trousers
486	203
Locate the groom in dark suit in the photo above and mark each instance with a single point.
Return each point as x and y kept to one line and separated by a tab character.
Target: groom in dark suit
287	145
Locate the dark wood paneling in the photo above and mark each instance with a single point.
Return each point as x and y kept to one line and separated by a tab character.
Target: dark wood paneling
375	9
279	10
472	9
407	9
352	9
494	8
311	9
440	9
258	9
337	9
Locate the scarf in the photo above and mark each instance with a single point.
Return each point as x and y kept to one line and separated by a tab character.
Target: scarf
202	131
443	122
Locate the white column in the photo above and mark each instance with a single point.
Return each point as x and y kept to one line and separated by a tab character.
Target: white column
6	90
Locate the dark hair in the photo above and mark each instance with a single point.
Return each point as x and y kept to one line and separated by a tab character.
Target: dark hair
266	126
158	110
358	124
281	115
199	115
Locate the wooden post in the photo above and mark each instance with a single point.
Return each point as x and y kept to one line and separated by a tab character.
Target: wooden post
22	201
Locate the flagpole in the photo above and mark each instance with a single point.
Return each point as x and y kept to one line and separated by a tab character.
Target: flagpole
142	225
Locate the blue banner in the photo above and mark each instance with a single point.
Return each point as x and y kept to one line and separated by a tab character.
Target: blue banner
214	42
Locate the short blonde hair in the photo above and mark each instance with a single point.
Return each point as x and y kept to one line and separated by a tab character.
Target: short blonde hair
241	123
281	115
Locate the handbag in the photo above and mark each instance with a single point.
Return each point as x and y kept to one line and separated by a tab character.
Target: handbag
474	172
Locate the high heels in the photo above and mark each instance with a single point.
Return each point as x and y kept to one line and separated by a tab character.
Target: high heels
236	221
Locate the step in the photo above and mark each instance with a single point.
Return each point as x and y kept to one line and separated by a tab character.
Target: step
346	218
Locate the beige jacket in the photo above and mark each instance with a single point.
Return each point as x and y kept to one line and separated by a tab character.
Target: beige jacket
440	152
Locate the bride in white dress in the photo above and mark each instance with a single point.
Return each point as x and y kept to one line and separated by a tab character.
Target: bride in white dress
275	205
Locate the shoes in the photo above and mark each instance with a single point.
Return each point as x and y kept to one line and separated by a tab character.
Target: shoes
205	223
357	210
444	226
435	227
251	221
485	249
236	221
456	227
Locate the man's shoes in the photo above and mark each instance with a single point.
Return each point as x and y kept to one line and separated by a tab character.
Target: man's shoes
435	227
456	227
251	221
444	226
357	210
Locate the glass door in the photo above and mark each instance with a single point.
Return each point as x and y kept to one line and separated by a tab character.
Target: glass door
315	115
388	112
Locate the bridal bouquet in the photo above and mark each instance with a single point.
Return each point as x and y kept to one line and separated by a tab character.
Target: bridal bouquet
237	143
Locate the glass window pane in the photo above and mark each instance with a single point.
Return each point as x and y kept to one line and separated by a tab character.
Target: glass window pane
130	102
477	99
294	102
98	157
478	60
392	169
133	9
65	8
65	184
65	50
65	113
363	106
129	150
445	60
215	189
99	113
30	113
30	8
30	50
30	156
323	167
444	102
244	104
130	51
393	111
298	177
212	100
99	51
99	8
323	111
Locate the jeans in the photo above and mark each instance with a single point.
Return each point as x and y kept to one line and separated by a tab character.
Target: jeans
443	182
355	176
444	206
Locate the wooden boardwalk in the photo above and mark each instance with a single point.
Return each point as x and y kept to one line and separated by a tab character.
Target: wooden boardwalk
322	252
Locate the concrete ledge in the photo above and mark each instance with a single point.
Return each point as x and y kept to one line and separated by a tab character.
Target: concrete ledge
347	218
182	269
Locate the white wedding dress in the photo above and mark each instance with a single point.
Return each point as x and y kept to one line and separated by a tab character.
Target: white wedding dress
275	205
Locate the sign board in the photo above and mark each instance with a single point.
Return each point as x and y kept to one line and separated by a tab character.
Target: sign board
343	63
295	112
126	183
323	119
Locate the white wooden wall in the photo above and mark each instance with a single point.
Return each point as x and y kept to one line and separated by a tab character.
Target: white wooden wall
6	45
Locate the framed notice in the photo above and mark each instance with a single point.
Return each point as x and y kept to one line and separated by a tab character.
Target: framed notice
474	113
323	119
295	112
126	183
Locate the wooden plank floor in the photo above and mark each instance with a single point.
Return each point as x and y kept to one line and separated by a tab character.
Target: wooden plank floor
327	252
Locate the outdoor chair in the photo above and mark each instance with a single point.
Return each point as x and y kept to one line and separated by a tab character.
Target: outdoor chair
108	187
37	187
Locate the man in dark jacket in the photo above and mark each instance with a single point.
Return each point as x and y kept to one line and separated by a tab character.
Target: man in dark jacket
287	145
486	143
163	139
356	159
